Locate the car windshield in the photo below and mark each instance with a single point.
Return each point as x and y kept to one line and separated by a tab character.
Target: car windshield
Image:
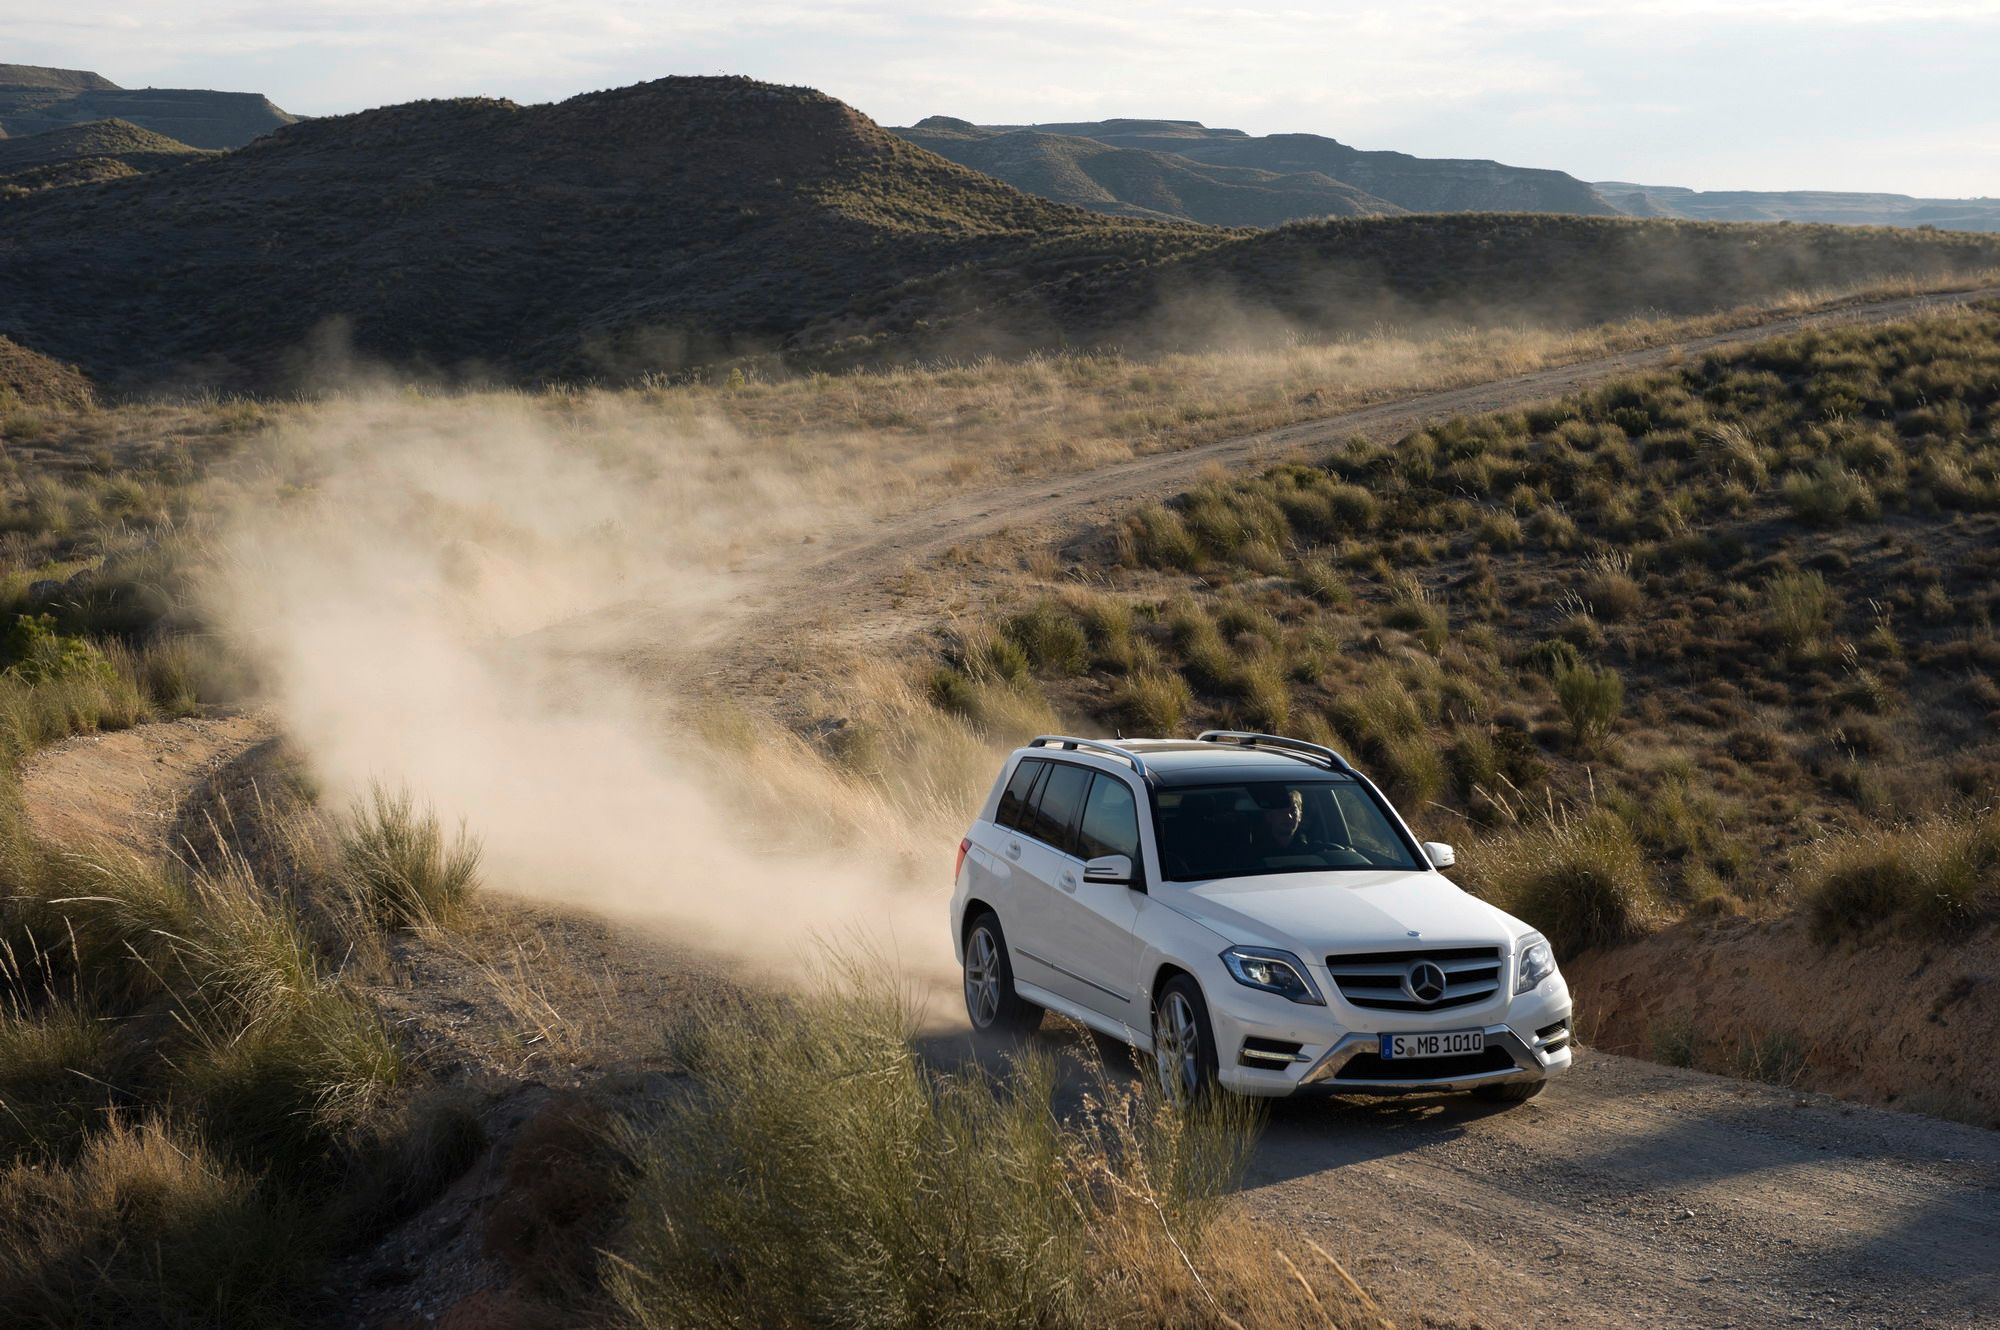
1249	828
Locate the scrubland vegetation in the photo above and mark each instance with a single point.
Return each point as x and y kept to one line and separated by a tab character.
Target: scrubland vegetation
1711	640
1715	640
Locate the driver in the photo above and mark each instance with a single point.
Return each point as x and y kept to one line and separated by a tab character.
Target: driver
1281	828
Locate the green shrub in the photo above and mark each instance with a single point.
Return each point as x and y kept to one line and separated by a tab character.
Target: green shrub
396	862
1158	538
1591	699
1154	703
1051	638
1829	494
1554	657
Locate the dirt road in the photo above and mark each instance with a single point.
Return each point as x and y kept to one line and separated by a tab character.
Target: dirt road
1631	1194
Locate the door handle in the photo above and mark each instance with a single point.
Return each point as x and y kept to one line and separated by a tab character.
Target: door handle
1013	849
1068	880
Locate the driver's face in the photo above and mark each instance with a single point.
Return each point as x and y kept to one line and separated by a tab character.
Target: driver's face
1283	821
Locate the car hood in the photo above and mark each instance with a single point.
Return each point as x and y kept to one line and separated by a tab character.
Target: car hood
1315	914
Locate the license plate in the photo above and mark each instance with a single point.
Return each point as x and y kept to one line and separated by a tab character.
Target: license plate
1443	1044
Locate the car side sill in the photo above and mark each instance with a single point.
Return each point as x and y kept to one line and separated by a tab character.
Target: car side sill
1097	1021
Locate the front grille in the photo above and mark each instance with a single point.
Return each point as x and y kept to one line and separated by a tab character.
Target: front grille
1376	979
1372	1067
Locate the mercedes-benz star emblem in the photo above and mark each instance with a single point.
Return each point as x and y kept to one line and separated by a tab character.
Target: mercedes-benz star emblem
1425	981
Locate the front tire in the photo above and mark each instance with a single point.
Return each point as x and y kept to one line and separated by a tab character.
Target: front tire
990	1000
1183	1042
1510	1092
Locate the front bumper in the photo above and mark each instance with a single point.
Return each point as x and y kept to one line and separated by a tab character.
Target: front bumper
1337	1049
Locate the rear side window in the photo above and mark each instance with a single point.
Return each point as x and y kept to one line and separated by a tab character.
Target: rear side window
1057	806
1017	798
1110	820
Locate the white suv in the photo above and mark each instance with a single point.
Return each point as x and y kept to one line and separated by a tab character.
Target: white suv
1249	910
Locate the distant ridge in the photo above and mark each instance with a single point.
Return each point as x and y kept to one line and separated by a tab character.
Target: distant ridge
1129	182
1369	182
1802	205
35	100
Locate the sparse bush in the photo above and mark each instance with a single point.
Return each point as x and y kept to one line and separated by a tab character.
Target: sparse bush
1580	879
1158	538
1676	1040
1319	579
1940	875
148	1226
1051	638
396	862
1155	703
1798	609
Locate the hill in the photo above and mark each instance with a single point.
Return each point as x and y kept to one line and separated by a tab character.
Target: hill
28	379
651	227
694	220
1414	184
35	100
1131	182
118	141
1802	205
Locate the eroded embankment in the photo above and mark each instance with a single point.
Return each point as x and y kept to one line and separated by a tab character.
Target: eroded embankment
1885	1019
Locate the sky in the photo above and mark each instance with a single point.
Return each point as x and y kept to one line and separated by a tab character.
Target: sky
1710	94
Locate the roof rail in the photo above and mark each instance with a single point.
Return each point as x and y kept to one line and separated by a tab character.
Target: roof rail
1297	747
1090	746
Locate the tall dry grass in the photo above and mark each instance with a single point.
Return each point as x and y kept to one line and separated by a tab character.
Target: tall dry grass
838	1177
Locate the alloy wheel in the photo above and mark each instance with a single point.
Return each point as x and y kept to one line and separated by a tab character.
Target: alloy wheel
1177	1048
982	978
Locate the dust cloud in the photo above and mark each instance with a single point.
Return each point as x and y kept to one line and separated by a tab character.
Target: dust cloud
432	591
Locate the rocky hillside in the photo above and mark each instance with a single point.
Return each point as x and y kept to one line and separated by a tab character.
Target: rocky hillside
1802	205
1411	184
1131	182
695	221
34	100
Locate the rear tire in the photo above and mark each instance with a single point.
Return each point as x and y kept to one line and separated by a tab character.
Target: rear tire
990	1000
1510	1092
1183	1042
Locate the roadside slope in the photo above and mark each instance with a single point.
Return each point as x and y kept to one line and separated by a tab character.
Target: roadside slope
856	589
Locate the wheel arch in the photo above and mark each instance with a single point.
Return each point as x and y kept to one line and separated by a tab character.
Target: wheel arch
1165	973
974	907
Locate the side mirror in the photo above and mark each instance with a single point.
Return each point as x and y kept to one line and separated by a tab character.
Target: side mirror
1112	868
1440	854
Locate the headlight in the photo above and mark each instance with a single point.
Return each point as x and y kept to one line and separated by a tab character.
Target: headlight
1537	962
1277	972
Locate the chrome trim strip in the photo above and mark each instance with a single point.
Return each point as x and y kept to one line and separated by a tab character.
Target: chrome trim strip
1528	1064
1088	983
